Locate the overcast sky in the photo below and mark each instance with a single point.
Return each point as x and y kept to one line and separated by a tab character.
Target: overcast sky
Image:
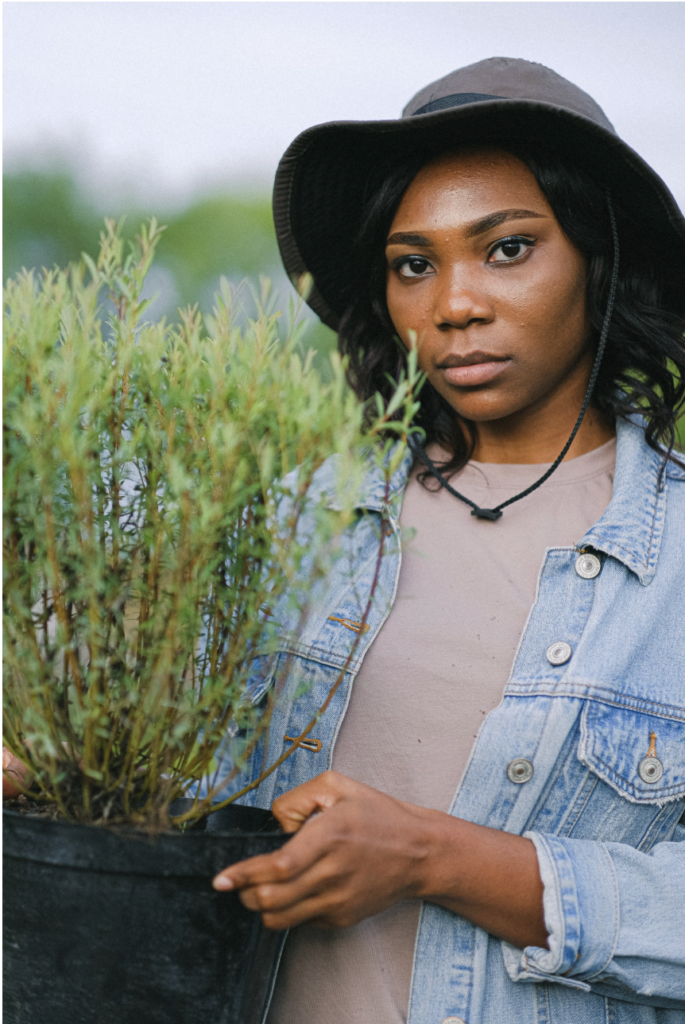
171	98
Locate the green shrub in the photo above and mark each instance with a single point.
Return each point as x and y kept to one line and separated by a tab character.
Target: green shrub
147	469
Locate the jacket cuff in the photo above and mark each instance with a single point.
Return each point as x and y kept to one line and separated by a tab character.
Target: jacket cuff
581	910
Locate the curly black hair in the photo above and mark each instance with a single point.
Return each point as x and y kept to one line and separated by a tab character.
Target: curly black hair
643	369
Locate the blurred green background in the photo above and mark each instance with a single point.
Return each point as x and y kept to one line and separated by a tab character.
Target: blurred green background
48	220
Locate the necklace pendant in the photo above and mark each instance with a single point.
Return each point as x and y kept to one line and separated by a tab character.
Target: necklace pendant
486	513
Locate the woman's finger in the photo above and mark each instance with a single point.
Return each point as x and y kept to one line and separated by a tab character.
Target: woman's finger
319	910
319	794
281	866
13	770
326	876
254	871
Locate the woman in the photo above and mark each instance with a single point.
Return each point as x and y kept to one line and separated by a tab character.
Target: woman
499	838
536	874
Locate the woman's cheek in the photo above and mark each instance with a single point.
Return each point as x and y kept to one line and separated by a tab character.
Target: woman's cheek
411	319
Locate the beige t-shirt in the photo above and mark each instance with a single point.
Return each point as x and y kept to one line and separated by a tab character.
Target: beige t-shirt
437	667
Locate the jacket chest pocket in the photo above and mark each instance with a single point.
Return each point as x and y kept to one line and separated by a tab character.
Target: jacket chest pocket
631	786
639	755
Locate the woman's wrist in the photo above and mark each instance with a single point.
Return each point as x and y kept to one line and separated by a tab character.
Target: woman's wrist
492	878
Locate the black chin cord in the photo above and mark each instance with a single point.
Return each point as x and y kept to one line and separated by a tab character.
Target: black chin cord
495	513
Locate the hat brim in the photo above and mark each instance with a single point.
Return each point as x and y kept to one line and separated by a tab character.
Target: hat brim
328	173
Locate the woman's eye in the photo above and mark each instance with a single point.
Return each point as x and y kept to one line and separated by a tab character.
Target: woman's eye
413	266
509	249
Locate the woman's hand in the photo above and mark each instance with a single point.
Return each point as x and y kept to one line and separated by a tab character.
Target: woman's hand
12	769
362	851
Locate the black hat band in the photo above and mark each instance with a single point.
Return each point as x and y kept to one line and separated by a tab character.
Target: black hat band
457	99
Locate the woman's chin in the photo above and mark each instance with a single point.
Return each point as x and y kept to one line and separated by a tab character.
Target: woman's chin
484	405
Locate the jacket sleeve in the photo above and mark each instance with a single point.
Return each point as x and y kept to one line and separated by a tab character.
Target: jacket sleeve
615	918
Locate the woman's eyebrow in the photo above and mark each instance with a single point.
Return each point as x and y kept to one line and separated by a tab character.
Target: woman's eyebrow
493	220
406	238
478	227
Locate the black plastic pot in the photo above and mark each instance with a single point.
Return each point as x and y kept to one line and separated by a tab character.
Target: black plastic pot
119	927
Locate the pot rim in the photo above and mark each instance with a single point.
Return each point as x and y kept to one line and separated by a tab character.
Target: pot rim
128	850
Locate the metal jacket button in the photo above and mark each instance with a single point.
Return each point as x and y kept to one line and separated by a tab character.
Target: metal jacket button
453	1020
559	652
588	566
650	769
520	770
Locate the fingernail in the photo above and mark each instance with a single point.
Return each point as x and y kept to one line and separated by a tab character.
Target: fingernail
222	883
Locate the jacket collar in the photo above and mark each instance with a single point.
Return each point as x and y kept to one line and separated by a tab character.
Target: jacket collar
632	525
378	495
629	530
375	493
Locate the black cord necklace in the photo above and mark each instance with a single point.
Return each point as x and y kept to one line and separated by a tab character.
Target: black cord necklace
495	513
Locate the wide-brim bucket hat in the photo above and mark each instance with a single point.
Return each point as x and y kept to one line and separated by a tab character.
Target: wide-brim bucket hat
328	173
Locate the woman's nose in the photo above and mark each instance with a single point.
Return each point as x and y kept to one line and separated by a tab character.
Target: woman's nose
460	300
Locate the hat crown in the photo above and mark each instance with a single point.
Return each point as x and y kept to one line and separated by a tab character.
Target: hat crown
510	78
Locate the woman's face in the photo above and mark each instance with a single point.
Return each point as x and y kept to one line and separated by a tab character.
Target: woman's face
482	278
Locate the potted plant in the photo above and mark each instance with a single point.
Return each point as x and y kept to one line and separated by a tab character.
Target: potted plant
156	478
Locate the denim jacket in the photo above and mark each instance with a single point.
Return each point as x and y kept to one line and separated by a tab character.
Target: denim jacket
604	821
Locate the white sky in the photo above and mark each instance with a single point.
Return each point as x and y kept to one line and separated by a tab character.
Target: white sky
165	99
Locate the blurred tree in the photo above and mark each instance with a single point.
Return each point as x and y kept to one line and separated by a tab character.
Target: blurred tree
225	234
45	221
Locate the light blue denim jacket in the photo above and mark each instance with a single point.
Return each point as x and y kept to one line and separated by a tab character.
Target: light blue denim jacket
610	846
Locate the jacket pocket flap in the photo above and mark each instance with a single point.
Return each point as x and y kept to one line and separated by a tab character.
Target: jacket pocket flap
641	756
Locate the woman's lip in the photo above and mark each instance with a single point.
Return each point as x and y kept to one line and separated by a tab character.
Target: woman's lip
475	373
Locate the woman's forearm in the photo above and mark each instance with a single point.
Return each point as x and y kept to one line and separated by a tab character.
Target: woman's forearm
491	878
